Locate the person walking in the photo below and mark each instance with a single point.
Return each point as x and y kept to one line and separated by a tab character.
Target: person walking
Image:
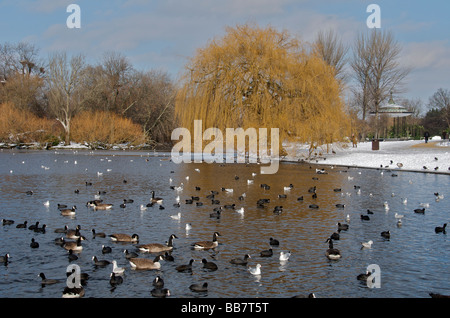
426	135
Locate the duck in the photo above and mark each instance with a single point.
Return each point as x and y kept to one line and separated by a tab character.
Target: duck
208	244
366	244
199	288
168	257
158	282
72	256
185	267
115	280
121	237
74	246
68	212
116	269
4	259
420	211
157	199
255	270
363	276
284	256
439	229
386	234
34	226
34	244
240	261
332	253
209	265
313	206
160	292
100	234
216	214
101	262
22	225
365	217
274	242
47	281
335	236
342	227
62	230
129	254
106	249
157	247
145	263
40	229
266	253
73	292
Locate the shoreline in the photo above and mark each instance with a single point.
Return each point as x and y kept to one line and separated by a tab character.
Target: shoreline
414	155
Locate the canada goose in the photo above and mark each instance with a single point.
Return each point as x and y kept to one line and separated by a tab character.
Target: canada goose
7	222
34	244
102	206
144	263
332	253
199	288
95	234
120	237
266	253
160	292
255	270
68	212
73	233
129	255
116	269
158	282
106	249
101	262
439	229
73	292
4	259
22	225
47	281
284	256
157	199
185	267
209	265
216	214
366	244
241	261
386	234
74	246
157	247
115	280
208	244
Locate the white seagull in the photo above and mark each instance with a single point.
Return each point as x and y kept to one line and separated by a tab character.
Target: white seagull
255	270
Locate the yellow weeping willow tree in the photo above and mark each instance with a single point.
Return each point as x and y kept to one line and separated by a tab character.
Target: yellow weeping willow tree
260	77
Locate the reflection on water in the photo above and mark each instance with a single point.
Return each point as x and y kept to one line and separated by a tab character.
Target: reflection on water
413	262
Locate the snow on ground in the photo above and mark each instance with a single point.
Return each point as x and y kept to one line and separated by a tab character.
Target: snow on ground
410	155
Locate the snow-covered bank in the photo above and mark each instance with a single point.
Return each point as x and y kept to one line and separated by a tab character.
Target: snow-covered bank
411	155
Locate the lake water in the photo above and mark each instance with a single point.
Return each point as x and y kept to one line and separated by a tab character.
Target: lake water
412	263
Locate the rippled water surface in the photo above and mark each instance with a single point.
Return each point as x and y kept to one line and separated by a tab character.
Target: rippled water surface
414	262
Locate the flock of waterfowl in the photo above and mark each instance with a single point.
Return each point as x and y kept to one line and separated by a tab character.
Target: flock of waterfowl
72	239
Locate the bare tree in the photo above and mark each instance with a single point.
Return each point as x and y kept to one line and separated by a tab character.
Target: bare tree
64	88
376	67
441	101
328	45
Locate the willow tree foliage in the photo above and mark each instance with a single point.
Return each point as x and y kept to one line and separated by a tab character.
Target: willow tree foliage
260	77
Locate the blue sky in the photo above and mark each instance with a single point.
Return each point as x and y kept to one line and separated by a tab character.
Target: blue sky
164	34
